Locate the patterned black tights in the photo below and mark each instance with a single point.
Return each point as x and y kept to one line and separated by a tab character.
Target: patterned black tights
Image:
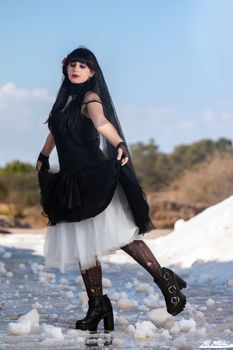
92	279
140	252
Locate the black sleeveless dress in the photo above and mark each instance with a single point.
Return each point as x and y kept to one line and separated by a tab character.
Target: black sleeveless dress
93	204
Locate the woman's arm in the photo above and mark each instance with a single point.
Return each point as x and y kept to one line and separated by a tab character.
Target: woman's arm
49	145
47	149
104	127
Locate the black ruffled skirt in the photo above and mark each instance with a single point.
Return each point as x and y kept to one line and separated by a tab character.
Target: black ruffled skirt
76	196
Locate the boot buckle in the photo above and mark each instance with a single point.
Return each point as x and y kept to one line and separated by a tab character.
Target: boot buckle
172	288
166	276
175	300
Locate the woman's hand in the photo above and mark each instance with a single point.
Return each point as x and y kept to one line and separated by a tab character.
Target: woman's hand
122	153
38	166
42	162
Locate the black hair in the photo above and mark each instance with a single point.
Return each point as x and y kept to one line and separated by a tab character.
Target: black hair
82	55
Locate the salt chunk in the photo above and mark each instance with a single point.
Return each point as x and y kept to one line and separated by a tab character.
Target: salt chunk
210	302
117	342
25	323
159	316
70	294
187	325
31	316
143	308
106	283
22	266
141	287
181	344
152	300
201	332
20	328
131	328
128	285
219	309
125	303
79	281
9	274
37	305
52	332
164	335
47	277
64	281
175	329
144	329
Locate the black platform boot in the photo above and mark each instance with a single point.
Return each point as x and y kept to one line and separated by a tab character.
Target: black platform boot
170	284
100	307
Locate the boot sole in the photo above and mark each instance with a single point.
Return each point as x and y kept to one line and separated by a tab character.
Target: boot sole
108	324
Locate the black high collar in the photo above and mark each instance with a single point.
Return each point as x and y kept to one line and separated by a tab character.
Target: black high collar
76	88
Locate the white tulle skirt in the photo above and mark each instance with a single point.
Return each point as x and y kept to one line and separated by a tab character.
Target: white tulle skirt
71	245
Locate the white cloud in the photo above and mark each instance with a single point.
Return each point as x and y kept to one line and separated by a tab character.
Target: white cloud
11	90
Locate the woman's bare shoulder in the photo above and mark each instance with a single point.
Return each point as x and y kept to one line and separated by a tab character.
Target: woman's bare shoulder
91	96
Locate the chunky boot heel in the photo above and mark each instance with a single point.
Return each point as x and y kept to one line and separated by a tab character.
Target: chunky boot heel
170	285
182	284
100	307
109	322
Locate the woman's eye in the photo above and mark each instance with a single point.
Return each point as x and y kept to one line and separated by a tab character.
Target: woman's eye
82	66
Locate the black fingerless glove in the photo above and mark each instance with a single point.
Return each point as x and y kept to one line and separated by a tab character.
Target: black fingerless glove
44	160
122	145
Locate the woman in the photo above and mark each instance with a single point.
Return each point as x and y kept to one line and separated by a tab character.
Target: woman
94	204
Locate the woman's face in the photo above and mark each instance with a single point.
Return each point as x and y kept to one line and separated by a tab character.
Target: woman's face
78	72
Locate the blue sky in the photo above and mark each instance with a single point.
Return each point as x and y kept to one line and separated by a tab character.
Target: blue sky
168	65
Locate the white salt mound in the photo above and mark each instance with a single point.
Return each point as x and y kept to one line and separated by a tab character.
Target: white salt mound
52	332
144	329
25	323
187	325
159	316
212	228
